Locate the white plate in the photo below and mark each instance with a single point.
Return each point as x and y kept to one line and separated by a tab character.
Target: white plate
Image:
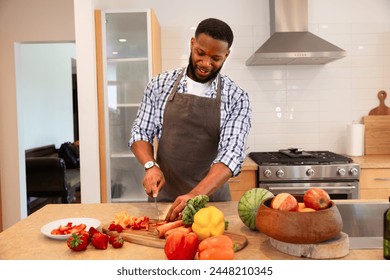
46	229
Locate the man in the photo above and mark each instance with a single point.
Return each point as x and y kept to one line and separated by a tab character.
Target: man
201	120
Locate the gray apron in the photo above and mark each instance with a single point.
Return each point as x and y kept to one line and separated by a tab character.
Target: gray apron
189	143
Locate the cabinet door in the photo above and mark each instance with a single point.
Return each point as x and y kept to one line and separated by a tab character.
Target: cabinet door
127	53
375	183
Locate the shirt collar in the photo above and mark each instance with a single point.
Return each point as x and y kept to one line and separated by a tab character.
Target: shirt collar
183	84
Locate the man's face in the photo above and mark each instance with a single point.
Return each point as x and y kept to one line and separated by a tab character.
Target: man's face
207	58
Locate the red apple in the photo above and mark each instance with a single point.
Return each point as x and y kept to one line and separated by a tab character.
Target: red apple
284	202
316	198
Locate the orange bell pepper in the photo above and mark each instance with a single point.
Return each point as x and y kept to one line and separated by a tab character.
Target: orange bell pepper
181	245
216	248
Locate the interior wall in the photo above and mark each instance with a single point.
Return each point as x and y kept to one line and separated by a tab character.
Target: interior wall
21	22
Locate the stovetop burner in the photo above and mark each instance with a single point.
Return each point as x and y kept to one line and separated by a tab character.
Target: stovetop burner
298	157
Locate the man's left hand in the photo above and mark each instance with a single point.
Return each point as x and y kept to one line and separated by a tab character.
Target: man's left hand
177	207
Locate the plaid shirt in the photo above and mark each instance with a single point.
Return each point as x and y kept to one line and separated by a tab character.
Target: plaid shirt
235	116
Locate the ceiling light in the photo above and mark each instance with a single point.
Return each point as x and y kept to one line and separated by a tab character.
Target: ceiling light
122	40
114	52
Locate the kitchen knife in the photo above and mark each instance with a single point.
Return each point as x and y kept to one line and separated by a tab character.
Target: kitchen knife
155	204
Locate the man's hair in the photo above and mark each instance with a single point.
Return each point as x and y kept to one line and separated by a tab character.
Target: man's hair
217	29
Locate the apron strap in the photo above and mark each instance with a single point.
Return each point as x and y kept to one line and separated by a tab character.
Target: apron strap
176	85
173	92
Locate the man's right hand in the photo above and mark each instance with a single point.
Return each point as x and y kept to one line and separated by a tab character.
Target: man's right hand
153	181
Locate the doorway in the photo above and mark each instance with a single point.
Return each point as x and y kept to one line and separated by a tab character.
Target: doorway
46	98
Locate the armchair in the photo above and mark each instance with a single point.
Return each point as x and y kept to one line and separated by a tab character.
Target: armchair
48	177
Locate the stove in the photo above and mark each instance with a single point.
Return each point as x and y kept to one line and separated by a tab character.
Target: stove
295	170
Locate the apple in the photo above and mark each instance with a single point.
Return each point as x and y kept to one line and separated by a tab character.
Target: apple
316	198
284	202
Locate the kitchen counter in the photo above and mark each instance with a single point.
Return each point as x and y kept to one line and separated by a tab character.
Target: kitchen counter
373	161
32	244
249	164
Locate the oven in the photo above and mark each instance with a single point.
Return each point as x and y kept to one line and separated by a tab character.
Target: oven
294	171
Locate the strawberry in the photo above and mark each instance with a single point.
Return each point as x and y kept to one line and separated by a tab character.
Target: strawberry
99	240
86	234
92	230
111	227
77	228
116	241
77	242
118	228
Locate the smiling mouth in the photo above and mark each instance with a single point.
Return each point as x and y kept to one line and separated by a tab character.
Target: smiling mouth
202	72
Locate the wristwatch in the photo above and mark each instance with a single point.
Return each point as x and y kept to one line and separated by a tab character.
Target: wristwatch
150	164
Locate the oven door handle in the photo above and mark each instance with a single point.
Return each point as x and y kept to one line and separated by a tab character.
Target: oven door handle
306	188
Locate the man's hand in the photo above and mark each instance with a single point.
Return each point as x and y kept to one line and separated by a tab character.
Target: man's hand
177	207
153	181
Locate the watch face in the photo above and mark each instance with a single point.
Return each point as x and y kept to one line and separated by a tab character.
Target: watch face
149	164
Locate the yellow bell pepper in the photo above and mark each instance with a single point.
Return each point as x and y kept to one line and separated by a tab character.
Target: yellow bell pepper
209	221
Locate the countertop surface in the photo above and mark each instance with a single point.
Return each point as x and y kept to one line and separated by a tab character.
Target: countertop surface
249	164
373	161
33	245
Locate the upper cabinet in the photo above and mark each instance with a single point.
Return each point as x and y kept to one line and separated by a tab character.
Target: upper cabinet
128	48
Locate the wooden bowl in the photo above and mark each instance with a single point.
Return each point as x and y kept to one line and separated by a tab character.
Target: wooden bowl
299	227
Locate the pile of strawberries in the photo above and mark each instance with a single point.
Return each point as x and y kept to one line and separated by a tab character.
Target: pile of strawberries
80	241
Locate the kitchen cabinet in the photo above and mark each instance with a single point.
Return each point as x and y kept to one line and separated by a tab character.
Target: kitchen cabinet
374	176
375	183
245	181
128	48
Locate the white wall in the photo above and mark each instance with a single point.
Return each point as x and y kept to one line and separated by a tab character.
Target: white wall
44	93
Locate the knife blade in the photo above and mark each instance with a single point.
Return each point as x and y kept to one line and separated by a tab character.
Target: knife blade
155	204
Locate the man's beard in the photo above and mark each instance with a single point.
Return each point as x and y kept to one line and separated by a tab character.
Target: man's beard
191	69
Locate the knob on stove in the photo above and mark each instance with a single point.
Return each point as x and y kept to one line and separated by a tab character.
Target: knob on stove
353	171
267	173
310	172
279	173
341	171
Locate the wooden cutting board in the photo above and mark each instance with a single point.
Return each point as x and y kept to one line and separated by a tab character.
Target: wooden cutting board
337	247
382	109
149	238
377	135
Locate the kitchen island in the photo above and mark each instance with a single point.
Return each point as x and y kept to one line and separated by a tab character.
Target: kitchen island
33	245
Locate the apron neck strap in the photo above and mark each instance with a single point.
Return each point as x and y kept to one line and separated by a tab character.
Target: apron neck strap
174	89
173	92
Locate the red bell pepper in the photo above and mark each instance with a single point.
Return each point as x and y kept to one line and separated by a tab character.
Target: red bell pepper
181	245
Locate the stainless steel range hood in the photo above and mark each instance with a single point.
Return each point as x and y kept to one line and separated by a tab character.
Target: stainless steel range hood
290	42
